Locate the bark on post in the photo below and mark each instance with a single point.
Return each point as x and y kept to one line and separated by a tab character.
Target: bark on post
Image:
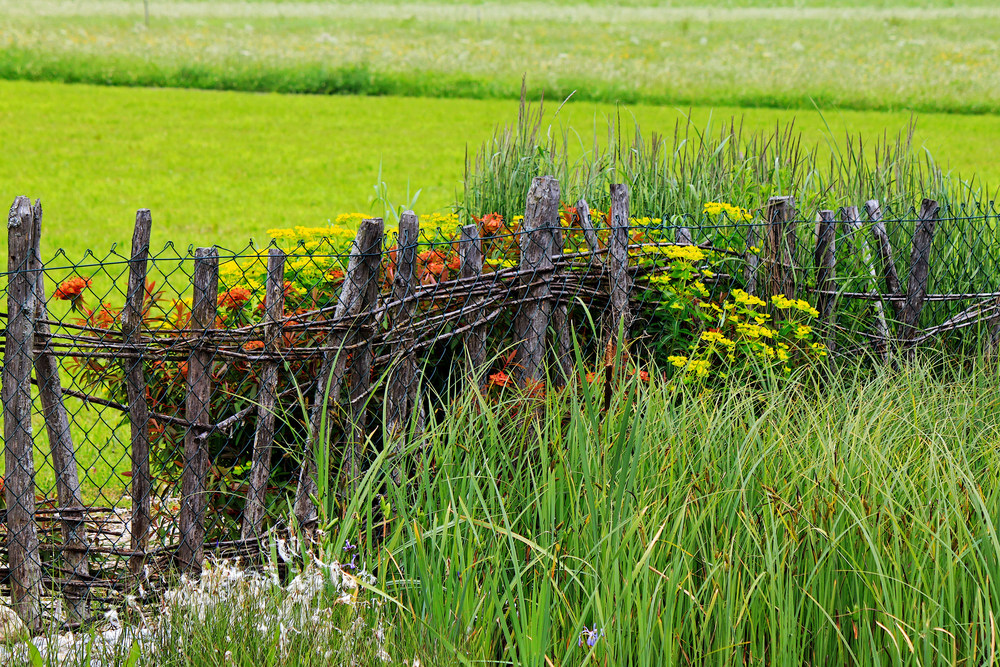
74	528
560	317
849	216
135	387
884	251
194	494
781	242
19	467
682	236
826	273
920	259
401	389
589	233
541	216
470	251
267	396
619	318
362	267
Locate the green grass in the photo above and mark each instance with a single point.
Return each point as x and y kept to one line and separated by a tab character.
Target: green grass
221	168
897	55
849	522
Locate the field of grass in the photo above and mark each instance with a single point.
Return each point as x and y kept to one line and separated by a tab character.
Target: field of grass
937	56
849	521
222	168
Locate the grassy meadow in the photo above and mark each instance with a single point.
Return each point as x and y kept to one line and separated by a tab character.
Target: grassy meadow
223	168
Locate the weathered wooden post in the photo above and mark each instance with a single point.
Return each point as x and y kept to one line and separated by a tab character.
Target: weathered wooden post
884	251
589	233
135	387
560	315
541	215
360	287
619	316
849	216
780	249
197	411
19	466
470	251
920	259
74	528
404	377
826	274
682	236
267	395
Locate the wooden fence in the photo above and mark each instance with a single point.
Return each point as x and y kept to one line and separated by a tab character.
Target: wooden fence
388	316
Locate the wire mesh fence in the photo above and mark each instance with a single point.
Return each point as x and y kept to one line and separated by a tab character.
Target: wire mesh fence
159	406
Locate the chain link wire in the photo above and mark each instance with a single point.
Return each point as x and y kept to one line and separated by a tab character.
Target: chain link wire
380	353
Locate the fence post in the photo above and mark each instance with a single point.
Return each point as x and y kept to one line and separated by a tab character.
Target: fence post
560	314
849	216
267	395
135	386
826	273
361	269
884	250
682	236
920	257
19	466
74	528
470	250
781	242
589	233
617	268
404	285
197	411
541	215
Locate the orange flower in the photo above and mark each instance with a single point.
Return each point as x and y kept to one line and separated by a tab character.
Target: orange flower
455	263
234	298
491	223
333	275
72	290
501	379
252	345
570	215
535	388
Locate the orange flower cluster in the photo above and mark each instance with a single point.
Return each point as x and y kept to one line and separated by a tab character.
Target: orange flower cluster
72	290
489	224
234	298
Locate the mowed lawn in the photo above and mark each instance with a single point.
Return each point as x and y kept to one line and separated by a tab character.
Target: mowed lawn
225	167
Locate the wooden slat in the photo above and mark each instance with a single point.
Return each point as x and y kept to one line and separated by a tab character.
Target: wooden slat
135	387
560	320
849	216
19	468
541	215
826	272
267	396
329	381
884	251
404	374
920	260
47	377
194	492
619	317
780	246
589	233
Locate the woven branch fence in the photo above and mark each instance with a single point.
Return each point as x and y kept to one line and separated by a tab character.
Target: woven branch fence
175	419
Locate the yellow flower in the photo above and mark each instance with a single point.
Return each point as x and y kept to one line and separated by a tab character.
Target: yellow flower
716	337
733	213
678	361
745	299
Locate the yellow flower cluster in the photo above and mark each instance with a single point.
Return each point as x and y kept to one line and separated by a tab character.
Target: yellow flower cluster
716	337
784	303
734	213
744	299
